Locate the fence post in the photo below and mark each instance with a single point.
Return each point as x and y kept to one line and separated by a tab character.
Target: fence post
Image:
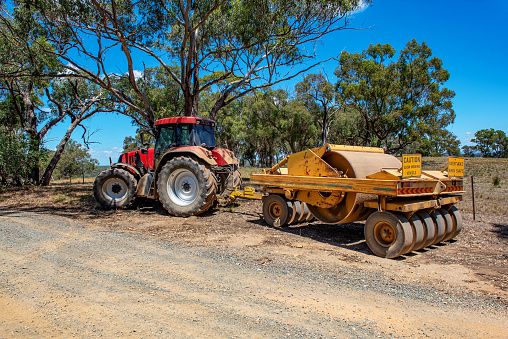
472	193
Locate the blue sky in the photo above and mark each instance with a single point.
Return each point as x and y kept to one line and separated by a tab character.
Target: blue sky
470	36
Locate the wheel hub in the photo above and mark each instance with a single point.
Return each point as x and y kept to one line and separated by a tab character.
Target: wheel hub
384	234
275	210
116	188
183	187
186	187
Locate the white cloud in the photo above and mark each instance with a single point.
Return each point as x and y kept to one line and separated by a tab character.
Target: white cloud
137	74
468	133
361	7
107	152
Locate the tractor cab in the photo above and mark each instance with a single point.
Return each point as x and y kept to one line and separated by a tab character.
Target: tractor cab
173	134
183	131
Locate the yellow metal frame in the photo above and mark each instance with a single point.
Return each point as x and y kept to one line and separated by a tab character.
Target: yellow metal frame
306	177
408	206
327	184
339	148
248	193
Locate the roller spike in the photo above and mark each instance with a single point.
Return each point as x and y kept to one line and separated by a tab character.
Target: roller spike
296	214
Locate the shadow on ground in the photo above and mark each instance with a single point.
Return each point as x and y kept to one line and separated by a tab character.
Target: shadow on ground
501	230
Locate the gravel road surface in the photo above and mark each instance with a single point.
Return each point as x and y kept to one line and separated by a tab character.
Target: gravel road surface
61	278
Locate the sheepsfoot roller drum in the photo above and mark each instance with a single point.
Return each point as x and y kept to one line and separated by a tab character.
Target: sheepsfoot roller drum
406	209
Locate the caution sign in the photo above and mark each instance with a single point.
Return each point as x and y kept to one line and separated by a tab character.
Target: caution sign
411	165
455	167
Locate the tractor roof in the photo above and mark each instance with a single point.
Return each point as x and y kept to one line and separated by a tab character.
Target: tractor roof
185	120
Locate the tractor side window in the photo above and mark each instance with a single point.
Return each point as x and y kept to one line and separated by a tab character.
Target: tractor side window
204	135
182	135
166	139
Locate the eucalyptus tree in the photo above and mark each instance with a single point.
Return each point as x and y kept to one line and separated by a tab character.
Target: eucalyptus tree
76	160
234	47
22	89
38	93
400	100
77	100
491	143
441	142
320	98
288	117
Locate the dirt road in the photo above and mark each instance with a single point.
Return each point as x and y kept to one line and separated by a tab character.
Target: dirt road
60	277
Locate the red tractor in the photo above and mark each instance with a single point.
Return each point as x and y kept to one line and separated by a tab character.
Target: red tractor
185	170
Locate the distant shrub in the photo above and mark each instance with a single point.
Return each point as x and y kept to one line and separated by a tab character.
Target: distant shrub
496	181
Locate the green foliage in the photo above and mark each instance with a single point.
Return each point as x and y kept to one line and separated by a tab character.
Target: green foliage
17	157
400	100
441	142
75	160
496	181
163	95
491	143
468	151
203	45
131	144
233	127
320	99
134	143
264	126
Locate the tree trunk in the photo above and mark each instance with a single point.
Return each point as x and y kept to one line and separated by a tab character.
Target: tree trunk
324	133
34	155
34	143
217	106
48	173
191	105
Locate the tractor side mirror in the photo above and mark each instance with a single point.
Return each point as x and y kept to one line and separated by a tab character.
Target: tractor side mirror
144	151
142	135
144	141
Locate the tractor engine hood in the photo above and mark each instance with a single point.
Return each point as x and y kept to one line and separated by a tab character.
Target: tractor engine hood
224	157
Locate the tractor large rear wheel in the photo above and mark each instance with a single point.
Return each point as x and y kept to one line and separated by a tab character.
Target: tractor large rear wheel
115	188
186	187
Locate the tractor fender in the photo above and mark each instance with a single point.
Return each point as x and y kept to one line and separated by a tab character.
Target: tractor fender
129	168
199	153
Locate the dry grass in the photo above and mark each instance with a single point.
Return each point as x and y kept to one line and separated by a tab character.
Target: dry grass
490	179
247	171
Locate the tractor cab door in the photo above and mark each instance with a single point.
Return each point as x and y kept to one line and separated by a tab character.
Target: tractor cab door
203	135
174	135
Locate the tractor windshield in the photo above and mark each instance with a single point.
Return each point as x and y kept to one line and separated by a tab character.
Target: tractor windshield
203	135
184	135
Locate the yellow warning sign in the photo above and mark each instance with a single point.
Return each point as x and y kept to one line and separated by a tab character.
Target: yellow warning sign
411	165
455	167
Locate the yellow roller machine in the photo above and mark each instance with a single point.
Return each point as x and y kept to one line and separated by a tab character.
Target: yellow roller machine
405	208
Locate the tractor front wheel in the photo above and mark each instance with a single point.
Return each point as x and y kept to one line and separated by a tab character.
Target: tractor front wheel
115	188
186	187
